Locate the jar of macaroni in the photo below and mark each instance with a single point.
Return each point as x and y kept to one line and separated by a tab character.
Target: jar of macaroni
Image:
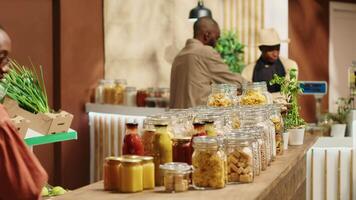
240	156
109	92
118	92
220	96
111	173
255	93
209	164
131	172
277	120
176	176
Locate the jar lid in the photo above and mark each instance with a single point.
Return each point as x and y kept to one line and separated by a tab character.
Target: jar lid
130	161
131	157
130	88
205	140
113	158
146	158
176	167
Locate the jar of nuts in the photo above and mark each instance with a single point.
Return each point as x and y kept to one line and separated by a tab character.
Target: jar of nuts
277	120
220	96
176	176
209	164
240	156
255	93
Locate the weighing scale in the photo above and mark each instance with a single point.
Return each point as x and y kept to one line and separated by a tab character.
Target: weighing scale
316	88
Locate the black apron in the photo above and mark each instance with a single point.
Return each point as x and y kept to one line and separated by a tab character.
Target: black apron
264	71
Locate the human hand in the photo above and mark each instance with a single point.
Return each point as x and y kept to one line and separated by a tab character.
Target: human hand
5	120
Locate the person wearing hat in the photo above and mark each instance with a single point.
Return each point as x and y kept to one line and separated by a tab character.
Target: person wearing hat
270	62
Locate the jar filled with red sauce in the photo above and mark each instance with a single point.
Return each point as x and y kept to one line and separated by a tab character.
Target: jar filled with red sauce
132	141
182	151
141	97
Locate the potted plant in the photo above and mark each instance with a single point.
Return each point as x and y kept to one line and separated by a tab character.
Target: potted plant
231	51
339	119
294	123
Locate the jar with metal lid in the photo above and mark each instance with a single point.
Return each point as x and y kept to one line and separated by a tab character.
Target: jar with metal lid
255	93
181	123
111	174
131	175
219	96
108	92
162	149
277	120
240	156
132	141
130	96
253	116
141	97
119	90
182	150
176	176
213	122
208	164
148	134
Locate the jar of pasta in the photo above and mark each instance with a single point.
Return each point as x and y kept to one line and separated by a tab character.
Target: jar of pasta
257	117
119	90
219	96
240	156
131	175
209	163
109	92
255	93
277	120
176	176
111	173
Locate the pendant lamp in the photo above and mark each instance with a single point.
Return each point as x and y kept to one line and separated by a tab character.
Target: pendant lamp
199	11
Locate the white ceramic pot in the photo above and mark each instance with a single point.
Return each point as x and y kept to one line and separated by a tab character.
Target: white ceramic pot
338	130
285	139
296	136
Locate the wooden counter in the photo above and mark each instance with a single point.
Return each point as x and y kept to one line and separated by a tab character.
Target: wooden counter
284	179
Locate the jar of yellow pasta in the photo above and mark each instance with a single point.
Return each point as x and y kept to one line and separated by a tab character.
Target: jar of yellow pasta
131	172
220	96
255	94
209	164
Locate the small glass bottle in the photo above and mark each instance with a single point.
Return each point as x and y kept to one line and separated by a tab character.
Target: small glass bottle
255	93
131	175
176	176
130	96
240	156
111	174
219	96
162	150
208	164
132	141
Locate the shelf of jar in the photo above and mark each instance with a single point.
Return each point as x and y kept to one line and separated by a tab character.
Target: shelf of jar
34	138
122	110
284	179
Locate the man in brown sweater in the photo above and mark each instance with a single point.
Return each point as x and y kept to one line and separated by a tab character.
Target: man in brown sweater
21	174
197	66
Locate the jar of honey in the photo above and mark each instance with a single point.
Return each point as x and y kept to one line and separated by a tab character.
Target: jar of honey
148	172
112	173
131	175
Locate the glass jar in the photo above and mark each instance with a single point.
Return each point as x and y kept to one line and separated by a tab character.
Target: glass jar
182	150
141	97
219	96
255	93
109	92
99	91
176	176
240	156
253	116
131	175
148	136
130	96
162	149
119	89
208	164
132	141
277	120
232	90
148	168
111	174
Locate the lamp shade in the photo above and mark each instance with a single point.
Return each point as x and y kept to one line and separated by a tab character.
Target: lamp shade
200	11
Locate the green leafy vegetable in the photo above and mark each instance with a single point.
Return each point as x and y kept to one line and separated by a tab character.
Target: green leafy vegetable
231	51
26	87
343	108
290	88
